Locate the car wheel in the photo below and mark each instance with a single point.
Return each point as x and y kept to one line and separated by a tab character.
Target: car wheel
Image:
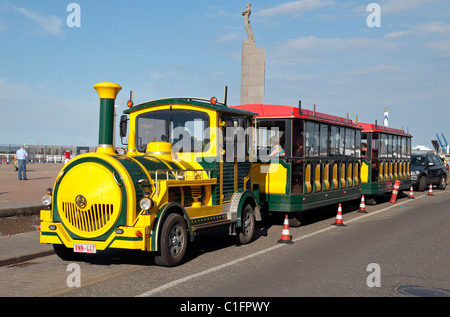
422	184
443	183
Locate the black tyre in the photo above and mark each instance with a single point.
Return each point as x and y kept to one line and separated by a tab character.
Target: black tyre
173	241
295	220
371	200
443	183
422	184
248	222
67	254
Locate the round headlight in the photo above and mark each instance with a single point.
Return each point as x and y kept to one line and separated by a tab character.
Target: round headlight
146	203
47	200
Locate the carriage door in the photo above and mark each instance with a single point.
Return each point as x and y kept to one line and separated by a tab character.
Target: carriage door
235	156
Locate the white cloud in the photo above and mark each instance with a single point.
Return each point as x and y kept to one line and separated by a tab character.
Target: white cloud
311	50
397	35
441	46
434	27
396	6
294	7
315	43
231	37
424	29
377	69
50	24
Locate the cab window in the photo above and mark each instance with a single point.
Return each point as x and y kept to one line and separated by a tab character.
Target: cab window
187	130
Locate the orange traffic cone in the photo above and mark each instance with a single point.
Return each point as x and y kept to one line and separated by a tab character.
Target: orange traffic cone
411	193
285	235
395	191
338	221
430	190
362	206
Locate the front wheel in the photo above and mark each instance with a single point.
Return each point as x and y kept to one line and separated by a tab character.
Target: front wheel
443	183
173	241
422	184
247	225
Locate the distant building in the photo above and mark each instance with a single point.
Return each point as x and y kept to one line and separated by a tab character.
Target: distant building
421	149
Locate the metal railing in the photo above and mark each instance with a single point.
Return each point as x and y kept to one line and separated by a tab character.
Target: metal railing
177	175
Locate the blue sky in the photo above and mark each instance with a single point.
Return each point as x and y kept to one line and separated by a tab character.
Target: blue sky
319	51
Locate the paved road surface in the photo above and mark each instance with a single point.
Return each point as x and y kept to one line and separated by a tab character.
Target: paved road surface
409	241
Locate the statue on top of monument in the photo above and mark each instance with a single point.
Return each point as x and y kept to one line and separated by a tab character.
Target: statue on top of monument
246	13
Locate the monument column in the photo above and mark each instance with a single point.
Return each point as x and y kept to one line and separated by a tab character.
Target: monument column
252	66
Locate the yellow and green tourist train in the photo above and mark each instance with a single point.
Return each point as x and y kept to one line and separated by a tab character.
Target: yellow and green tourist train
195	165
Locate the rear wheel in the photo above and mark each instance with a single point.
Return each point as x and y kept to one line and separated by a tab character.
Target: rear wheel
295	220
173	241
371	200
443	183
247	225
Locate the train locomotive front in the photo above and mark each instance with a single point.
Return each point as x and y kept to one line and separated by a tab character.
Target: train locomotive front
147	200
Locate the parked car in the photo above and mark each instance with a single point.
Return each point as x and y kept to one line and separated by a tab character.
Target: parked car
428	169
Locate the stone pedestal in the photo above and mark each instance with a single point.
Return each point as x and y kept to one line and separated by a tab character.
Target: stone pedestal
253	71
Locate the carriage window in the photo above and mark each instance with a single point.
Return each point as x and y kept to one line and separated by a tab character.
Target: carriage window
358	143
376	145
186	130
390	143
408	147
323	140
270	135
383	145
364	145
297	141
349	142
334	141
395	146
402	146
312	139
341	141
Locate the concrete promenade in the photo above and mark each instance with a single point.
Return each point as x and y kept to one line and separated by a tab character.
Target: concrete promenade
19	199
14	193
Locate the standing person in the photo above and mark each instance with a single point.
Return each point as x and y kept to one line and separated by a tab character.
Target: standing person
67	159
21	156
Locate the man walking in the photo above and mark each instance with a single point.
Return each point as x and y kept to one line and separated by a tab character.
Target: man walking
21	156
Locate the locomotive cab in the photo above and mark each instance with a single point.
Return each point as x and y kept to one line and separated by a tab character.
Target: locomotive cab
181	176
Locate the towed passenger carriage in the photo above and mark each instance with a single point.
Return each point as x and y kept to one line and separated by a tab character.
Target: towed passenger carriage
319	164
385	159
154	198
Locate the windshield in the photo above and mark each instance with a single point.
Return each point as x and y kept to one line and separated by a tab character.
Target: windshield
187	130
418	160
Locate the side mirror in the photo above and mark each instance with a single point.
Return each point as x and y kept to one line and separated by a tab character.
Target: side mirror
123	125
431	164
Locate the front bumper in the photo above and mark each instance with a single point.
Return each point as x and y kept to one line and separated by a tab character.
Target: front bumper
123	237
